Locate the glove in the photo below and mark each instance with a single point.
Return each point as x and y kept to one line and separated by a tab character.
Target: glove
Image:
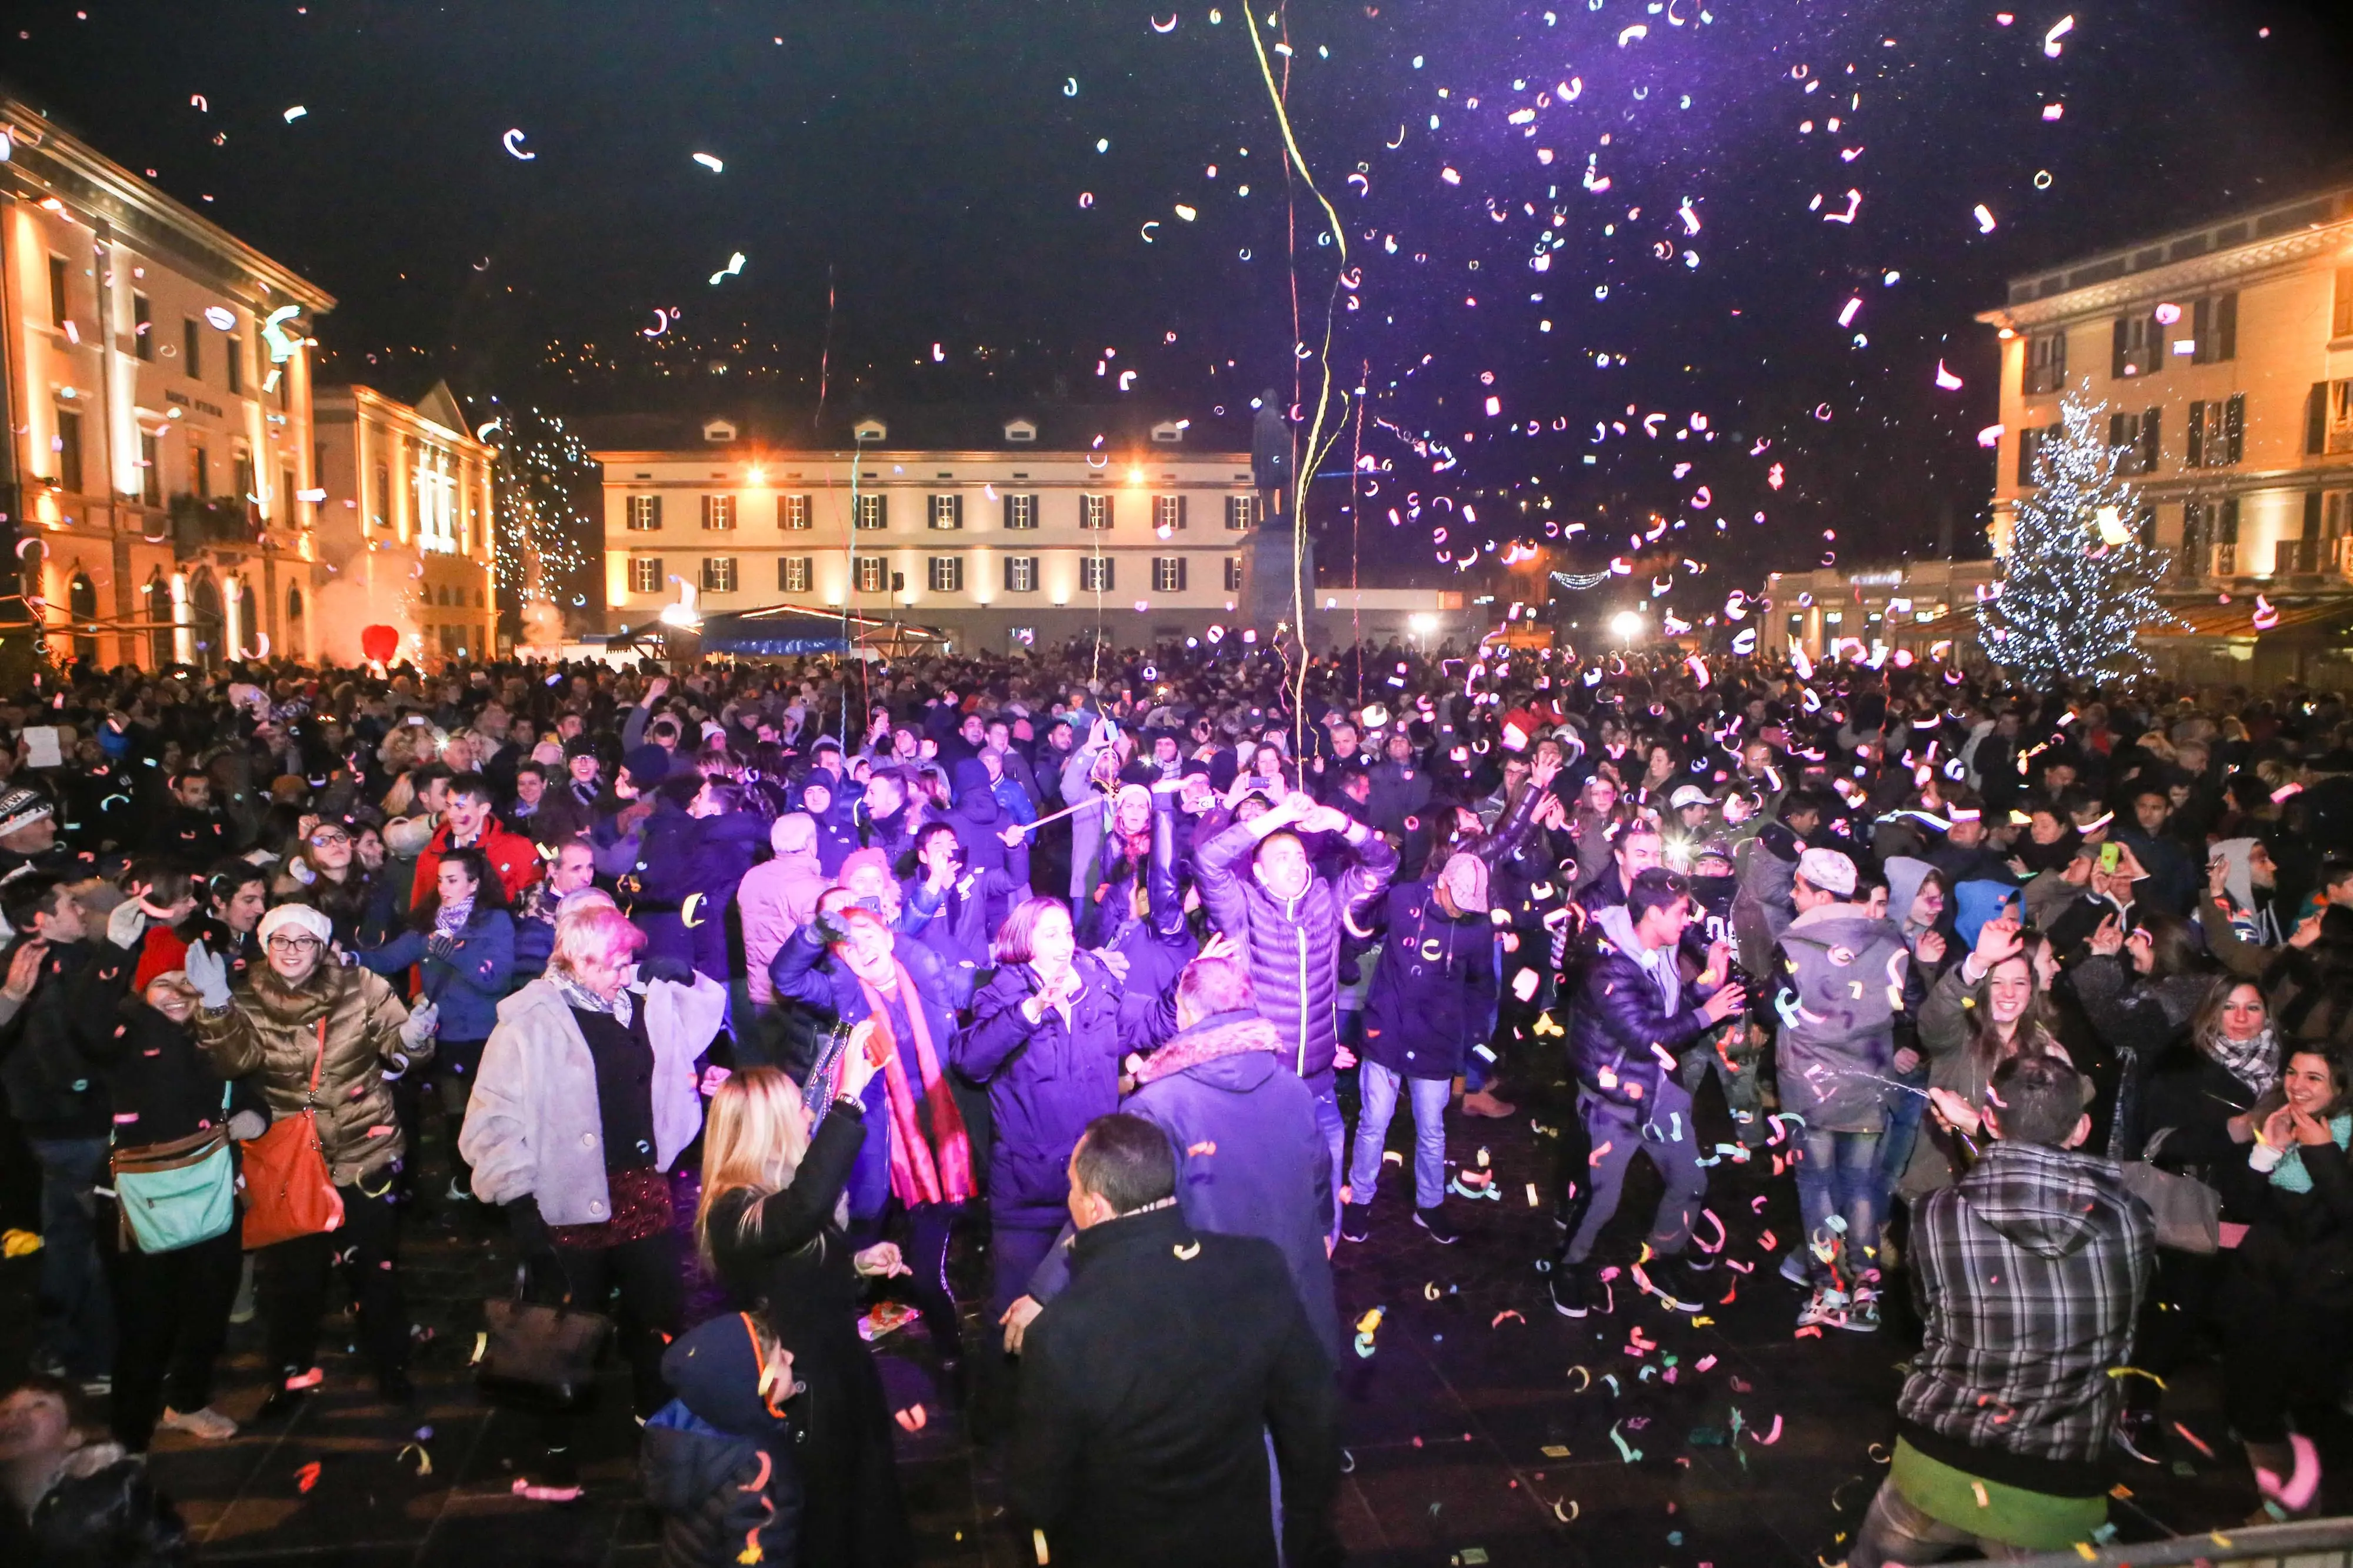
440	945
827	929
534	1246
424	1020
248	1125
666	967
125	924
209	973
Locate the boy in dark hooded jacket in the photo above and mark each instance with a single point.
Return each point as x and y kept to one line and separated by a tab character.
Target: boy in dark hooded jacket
718	1459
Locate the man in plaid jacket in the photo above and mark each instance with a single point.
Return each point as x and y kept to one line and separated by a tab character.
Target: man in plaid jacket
2029	1275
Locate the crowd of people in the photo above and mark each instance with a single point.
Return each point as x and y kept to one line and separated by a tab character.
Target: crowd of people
747	1005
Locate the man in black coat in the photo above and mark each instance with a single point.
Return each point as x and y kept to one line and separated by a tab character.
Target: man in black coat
1151	1387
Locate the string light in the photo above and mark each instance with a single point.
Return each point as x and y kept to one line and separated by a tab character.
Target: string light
2077	584
542	470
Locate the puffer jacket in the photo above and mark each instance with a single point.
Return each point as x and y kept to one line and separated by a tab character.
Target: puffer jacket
1047	1080
467	982
274	1029
1629	1025
1763	905
977	818
1838	984
1293	944
718	1461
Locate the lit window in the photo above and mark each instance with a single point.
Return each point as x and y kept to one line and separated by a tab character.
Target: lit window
947	575
1241	512
873	575
1095	574
1020	511
1021	574
792	512
947	512
645	574
1094	511
874	512
718	512
1167	512
1168	573
794	572
719	573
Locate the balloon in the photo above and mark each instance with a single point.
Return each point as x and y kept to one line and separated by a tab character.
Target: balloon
379	643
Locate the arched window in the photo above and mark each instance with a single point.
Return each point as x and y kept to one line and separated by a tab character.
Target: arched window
294	606
249	621
205	600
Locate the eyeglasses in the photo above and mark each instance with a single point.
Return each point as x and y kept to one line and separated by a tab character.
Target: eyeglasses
291	943
322	841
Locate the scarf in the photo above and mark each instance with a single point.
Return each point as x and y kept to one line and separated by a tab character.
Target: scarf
2254	1063
451	920
920	1174
576	994
2289	1175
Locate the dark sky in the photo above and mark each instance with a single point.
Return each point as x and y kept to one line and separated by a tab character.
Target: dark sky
927	162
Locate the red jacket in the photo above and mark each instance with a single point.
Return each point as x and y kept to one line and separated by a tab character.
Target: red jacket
514	857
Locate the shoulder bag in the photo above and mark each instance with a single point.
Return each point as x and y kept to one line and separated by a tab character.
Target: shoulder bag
287	1189
538	1354
2188	1212
175	1194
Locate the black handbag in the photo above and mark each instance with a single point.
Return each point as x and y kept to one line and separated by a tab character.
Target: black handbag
534	1353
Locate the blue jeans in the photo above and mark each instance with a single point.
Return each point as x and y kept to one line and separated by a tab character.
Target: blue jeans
1378	1087
1335	1129
76	1312
1895	1143
1838	1174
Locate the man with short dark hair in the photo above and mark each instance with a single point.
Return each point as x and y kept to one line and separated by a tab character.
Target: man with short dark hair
2029	1272
471	824
1153	1388
1632	1020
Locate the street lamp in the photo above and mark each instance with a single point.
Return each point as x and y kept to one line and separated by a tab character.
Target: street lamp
1626	625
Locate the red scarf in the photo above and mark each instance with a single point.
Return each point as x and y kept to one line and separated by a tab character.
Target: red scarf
920	1174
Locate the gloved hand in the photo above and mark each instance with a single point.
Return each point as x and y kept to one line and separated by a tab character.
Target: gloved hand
209	973
534	1246
124	926
829	929
248	1125
664	966
440	945
424	1021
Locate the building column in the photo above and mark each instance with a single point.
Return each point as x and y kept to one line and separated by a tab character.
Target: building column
183	637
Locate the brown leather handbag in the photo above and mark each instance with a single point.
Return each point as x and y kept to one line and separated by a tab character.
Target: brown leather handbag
536	1353
287	1189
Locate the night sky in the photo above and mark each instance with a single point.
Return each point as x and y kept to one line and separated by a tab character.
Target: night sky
935	170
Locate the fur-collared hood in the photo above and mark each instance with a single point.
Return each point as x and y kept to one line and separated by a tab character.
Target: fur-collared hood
1220	1035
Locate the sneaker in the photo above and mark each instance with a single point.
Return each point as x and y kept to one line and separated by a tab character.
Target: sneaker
1356	1222
1796	1269
1434	1222
1484	1103
1572	1289
208	1424
1861	1317
1678	1292
1824	1306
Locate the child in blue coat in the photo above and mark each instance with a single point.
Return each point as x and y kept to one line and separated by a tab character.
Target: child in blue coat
718	1459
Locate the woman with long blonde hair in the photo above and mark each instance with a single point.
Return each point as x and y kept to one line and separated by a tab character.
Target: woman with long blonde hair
770	1227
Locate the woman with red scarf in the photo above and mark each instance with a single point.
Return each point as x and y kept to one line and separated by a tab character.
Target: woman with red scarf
918	1157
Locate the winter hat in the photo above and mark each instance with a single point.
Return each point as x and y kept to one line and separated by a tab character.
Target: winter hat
1474	900
1829	870
794	831
647	766
301	917
21	807
859	860
1974	903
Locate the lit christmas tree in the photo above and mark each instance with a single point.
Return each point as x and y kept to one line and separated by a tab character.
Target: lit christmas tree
2077	584
544	474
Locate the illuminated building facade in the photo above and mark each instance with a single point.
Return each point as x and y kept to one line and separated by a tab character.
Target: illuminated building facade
2224	355
1003	528
156	381
404	535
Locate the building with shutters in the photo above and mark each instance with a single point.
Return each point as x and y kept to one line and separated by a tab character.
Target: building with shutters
155	381
2223	354
1007	527
405	526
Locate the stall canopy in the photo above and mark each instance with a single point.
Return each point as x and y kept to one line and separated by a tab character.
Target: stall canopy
784	631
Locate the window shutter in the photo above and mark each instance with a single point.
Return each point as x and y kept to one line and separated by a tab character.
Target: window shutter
2226	327
2311	515
2230	529
2151	443
2234	426
882	511
2122	345
2315	416
2115	429
1005	505
1180	559
2195	455
2026	457
1180	524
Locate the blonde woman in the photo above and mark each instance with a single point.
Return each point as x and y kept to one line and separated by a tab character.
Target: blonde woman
587	1097
770	1227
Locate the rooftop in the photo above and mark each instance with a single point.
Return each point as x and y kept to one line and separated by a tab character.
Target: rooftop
2246	227
922	427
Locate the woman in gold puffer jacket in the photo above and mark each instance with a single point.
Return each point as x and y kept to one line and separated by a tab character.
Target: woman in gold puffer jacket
298	1009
